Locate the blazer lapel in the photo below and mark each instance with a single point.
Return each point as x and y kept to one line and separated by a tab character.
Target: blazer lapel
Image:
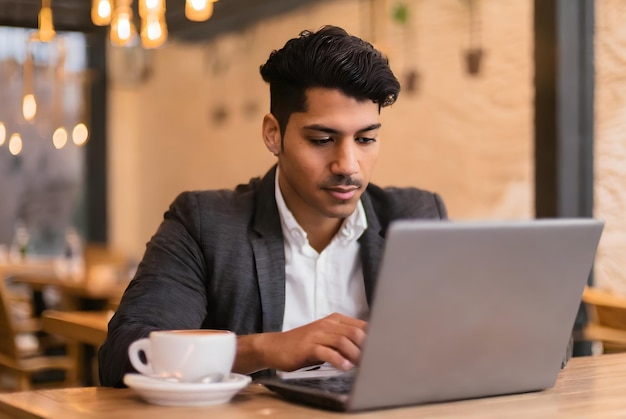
269	254
372	243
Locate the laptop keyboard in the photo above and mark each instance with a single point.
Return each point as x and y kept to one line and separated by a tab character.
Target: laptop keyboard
335	384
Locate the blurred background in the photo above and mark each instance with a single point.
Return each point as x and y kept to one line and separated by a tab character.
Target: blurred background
109	109
509	109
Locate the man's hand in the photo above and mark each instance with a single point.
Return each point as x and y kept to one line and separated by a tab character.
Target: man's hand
335	339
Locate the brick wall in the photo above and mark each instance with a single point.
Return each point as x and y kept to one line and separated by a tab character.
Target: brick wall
610	145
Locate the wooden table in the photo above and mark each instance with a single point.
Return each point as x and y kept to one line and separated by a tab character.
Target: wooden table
86	331
589	387
81	287
97	283
82	326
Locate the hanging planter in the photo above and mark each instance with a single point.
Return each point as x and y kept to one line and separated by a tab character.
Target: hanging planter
474	54
411	76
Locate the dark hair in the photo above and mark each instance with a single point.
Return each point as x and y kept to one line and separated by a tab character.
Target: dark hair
329	58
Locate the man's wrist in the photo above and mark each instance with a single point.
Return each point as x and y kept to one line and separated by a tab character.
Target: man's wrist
251	353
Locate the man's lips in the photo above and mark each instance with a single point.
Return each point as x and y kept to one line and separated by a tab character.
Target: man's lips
342	194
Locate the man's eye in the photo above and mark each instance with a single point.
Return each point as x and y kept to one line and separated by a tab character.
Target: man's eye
320	141
365	140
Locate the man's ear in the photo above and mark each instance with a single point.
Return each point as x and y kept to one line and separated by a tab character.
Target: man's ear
271	134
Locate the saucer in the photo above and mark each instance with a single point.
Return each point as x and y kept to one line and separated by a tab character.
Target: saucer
169	393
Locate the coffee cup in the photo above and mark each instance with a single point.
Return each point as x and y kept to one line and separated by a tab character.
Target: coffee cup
185	355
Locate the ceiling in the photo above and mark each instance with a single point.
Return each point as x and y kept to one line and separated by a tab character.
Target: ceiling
75	15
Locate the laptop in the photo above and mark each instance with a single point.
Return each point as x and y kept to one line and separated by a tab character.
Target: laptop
463	310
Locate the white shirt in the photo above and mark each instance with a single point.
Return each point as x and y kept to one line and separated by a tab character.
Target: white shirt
318	284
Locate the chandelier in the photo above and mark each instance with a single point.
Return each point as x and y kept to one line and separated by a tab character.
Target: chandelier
153	31
119	14
49	100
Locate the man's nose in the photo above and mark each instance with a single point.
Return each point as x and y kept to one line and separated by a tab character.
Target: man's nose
345	159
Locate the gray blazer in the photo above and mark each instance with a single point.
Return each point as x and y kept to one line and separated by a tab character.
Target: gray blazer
217	261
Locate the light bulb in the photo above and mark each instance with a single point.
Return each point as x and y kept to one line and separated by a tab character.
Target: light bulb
80	133
15	144
3	133
150	7
153	31
198	10
46	27
122	27
101	12
59	138
29	107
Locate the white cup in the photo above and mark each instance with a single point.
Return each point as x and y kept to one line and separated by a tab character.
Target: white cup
185	355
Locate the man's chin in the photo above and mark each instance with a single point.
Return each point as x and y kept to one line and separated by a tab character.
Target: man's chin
342	209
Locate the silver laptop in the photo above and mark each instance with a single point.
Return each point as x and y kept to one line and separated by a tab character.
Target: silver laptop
464	310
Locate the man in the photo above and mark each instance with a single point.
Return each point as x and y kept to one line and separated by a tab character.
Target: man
288	262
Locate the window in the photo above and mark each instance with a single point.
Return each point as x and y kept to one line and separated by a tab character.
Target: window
44	89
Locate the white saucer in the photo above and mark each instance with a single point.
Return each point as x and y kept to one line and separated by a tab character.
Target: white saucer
168	393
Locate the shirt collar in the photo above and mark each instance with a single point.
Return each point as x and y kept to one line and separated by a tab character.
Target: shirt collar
353	226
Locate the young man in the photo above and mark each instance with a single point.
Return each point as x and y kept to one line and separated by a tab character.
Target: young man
288	262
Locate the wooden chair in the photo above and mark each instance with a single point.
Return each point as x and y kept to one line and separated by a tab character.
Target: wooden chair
25	368
607	319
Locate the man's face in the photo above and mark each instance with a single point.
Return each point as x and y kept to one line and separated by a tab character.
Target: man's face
328	154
